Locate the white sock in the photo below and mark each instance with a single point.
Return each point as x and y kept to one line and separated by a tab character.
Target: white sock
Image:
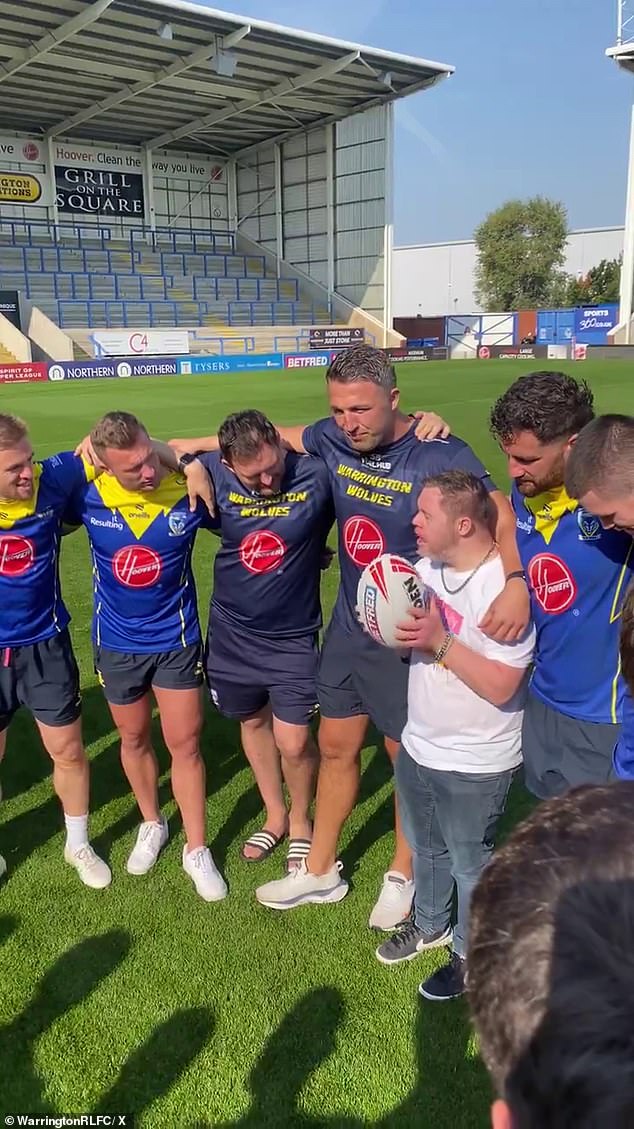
76	831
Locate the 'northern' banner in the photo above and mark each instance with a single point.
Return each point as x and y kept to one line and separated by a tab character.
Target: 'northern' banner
98	192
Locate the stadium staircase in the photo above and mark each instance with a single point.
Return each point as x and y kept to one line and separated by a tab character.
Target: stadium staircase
86	279
7	357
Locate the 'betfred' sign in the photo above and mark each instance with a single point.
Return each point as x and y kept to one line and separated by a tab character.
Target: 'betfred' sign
307	360
23	374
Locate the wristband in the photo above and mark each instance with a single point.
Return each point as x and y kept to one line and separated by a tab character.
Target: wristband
444	647
519	574
186	460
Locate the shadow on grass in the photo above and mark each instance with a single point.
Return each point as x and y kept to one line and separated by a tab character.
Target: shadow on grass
66	984
8	925
149	1072
452	1086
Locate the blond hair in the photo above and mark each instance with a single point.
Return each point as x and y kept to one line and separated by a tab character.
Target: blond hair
118	430
12	431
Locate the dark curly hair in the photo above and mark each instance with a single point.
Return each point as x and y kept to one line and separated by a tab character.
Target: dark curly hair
552	405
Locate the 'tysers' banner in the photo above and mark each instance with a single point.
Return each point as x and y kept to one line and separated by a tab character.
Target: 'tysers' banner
97	192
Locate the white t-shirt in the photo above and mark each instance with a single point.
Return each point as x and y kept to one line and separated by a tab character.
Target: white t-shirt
449	726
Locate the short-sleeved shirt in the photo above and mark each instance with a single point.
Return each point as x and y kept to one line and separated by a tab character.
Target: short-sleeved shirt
141	544
31	605
376	497
578	575
449	726
268	567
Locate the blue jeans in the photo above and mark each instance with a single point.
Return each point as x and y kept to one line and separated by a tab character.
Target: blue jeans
449	820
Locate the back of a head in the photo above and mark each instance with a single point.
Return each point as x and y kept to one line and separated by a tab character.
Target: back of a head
363	362
242	435
551	405
551	976
602	458
118	431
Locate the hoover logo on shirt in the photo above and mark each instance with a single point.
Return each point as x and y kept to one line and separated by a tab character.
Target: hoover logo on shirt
136	566
262	551
16	555
363	540
552	582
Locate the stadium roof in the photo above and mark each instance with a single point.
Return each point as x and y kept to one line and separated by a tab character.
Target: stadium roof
176	75
623	55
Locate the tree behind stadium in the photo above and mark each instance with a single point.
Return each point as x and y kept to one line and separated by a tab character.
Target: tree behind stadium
520	254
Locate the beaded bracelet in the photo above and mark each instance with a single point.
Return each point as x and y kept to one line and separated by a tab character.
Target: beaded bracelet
444	647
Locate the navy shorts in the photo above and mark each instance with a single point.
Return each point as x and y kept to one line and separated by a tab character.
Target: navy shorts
358	676
126	678
44	678
245	673
561	752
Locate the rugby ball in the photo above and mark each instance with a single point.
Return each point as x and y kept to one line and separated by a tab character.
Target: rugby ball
387	589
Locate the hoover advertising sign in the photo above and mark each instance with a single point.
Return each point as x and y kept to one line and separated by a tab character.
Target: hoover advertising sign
98	192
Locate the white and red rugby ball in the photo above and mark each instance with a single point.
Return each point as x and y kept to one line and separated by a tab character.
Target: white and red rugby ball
387	589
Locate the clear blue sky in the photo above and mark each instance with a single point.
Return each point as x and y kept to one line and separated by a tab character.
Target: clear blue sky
534	105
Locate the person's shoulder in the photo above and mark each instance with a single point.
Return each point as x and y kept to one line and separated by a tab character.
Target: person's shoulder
211	460
66	470
438	450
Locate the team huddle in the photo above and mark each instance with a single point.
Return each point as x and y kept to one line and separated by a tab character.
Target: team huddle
515	658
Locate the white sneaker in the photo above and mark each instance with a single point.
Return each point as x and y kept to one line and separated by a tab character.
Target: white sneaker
150	840
394	903
92	870
299	887
204	873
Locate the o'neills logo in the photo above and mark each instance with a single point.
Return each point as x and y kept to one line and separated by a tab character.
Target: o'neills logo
552	582
136	566
16	555
262	551
363	540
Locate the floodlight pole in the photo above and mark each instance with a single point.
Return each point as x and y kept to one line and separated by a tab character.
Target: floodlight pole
627	268
388	230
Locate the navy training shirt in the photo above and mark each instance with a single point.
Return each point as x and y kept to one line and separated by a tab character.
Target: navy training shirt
268	568
376	497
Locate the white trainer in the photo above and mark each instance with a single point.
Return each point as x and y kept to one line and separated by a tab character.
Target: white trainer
204	873
150	840
299	887
394	903
92	870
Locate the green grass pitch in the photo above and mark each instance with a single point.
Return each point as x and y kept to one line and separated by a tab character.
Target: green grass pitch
142	998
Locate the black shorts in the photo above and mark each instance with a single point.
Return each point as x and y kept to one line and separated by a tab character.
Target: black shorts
126	678
244	674
358	676
44	678
561	752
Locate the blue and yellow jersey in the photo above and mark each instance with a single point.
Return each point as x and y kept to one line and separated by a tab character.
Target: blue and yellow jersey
141	544
31	605
267	569
578	575
376	497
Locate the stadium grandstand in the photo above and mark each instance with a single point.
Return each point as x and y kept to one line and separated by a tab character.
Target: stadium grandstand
165	166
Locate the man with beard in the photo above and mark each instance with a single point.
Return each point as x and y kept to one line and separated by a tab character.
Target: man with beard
376	466
578	573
